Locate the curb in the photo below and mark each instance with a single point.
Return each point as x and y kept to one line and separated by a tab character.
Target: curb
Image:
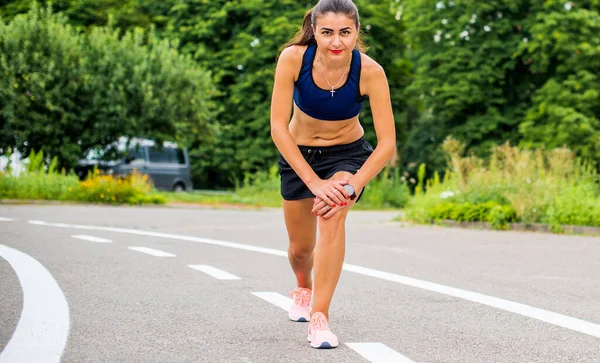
522	227
180	205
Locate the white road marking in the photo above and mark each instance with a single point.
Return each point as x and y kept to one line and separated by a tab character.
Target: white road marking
43	328
2	219
152	251
275	299
564	321
214	272
378	353
240	246
92	239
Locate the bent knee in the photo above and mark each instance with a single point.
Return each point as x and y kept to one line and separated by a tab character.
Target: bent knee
301	253
337	218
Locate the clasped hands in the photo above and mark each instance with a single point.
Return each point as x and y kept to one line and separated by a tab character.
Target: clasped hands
330	196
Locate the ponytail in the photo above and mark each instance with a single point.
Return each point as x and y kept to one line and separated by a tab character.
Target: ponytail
304	36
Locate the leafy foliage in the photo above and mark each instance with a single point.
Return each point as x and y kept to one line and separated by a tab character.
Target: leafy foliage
518	70
565	46
240	41
83	14
485	73
531	186
499	216
467	77
64	92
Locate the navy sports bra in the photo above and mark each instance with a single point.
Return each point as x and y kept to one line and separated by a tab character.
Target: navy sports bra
317	102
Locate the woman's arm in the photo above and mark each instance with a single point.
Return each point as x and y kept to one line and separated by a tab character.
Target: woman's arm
281	111
288	66
378	90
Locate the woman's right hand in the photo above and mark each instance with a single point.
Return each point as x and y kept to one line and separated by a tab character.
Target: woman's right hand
331	192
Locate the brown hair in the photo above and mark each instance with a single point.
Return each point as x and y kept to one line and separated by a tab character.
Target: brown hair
305	36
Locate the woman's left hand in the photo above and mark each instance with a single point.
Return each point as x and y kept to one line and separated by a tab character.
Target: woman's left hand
321	209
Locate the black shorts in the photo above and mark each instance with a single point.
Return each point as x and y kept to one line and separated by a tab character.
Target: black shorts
325	161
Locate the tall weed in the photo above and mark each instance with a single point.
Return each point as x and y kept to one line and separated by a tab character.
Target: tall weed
541	186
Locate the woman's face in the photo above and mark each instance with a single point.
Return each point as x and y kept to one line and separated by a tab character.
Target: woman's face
336	35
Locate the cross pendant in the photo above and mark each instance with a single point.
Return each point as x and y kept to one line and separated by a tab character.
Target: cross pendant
332	92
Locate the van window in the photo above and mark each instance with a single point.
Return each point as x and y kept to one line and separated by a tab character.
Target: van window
138	154
166	155
180	157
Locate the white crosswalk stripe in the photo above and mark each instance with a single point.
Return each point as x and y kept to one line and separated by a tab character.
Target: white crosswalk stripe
378	353
275	299
152	252
214	272
92	238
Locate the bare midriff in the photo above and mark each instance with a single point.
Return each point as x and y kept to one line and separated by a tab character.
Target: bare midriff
309	131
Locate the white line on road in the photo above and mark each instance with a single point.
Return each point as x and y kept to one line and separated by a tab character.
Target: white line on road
275	299
568	322
564	321
152	251
240	246
214	272
42	223
43	328
378	353
2	219
92	239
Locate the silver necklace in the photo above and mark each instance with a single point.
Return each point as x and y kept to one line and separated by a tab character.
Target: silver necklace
325	73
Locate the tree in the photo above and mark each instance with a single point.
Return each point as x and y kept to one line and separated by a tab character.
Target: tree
240	40
64	92
470	82
564	48
84	14
517	70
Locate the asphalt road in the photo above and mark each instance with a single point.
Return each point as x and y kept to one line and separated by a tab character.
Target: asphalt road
85	284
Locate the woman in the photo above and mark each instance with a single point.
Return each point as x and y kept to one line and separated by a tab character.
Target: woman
325	162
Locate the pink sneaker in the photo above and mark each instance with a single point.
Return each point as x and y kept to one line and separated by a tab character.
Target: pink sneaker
300	309
319	334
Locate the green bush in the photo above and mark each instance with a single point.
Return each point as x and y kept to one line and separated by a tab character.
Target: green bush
577	205
529	186
65	92
501	215
441	211
132	189
387	190
497	215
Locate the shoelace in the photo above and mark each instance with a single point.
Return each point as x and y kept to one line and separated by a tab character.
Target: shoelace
301	297
319	322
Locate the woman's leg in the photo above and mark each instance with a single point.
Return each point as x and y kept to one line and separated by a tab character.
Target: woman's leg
302	231
329	255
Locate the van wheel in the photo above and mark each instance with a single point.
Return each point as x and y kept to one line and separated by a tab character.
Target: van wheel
179	188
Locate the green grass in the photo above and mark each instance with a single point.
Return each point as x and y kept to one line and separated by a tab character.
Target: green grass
552	187
208	198
386	191
262	189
